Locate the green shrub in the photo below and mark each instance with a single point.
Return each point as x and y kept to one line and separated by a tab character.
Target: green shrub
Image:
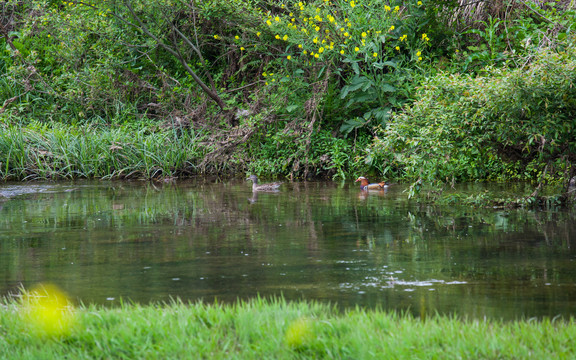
507	125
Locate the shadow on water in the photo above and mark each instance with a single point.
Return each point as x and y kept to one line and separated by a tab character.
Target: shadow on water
103	241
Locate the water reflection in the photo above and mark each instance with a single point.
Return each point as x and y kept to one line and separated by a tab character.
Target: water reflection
325	241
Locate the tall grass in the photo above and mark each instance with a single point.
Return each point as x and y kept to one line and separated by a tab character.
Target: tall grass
58	151
276	329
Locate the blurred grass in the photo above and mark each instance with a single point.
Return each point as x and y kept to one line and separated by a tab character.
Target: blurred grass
277	329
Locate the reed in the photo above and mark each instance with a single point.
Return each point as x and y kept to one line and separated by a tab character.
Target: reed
277	329
59	151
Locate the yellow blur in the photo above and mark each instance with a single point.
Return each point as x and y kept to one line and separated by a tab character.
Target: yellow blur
48	311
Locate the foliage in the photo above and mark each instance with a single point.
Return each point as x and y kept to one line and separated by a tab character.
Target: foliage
329	74
509	125
369	47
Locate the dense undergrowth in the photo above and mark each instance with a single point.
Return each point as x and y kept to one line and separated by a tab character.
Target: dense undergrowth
430	92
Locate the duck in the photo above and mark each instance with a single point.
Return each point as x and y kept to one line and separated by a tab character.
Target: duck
384	184
263	187
366	185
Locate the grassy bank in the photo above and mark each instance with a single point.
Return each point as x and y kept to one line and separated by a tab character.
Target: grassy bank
276	329
60	151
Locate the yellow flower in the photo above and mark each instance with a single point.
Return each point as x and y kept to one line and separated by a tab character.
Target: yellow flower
241	48
289	57
418	53
363	34
277	37
346	34
316	56
277	19
387	8
397	48
352	3
304	52
268	22
285	37
315	41
236	37
356	49
375	54
264	74
397	8
317	28
216	37
321	50
300	46
419	59
258	33
392	28
342	52
419	3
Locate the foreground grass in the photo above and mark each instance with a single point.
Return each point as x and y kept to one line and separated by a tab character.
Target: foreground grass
276	329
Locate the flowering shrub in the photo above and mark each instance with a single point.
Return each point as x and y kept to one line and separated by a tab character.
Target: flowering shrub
370	45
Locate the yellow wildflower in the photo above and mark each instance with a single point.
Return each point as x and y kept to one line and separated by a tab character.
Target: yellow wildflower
289	57
285	37
363	34
356	49
352	3
375	54
258	33
392	28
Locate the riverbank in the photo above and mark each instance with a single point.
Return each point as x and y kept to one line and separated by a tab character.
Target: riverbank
277	329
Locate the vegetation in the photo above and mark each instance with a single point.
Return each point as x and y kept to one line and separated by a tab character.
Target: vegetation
271	329
431	92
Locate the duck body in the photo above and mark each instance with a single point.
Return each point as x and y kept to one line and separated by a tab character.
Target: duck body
384	184
263	187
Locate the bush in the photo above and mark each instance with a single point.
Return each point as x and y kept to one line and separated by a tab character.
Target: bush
510	124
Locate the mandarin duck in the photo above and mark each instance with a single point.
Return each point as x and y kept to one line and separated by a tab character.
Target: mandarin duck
263	187
366	185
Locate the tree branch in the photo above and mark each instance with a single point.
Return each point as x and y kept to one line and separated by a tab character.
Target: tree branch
176	54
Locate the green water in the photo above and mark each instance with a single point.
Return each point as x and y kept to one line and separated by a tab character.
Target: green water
106	241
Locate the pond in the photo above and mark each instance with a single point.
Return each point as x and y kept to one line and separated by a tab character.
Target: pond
105	242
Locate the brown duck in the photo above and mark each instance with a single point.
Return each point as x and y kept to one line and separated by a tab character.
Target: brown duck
263	187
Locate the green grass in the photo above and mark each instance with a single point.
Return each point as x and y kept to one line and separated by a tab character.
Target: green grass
58	151
277	329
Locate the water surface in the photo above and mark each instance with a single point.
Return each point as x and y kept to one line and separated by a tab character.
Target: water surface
106	241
